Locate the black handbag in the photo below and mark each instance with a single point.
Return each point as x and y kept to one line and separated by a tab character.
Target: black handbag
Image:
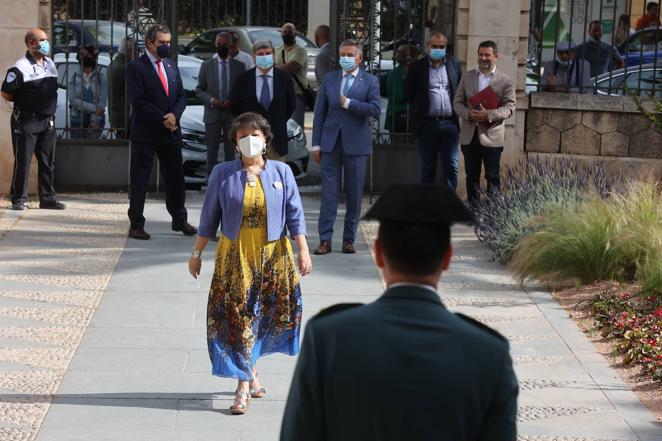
309	94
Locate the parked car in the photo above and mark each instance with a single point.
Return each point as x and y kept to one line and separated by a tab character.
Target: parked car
203	46
70	35
194	151
644	80
643	47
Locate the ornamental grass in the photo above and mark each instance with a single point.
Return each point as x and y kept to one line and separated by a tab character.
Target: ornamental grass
616	238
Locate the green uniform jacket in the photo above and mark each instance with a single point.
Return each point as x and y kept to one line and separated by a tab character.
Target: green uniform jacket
401	368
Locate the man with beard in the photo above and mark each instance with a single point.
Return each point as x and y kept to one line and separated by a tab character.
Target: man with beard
483	128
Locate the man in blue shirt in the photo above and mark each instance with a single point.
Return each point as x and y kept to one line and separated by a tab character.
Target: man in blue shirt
597	53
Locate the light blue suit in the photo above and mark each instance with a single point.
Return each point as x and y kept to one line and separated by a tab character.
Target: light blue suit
345	140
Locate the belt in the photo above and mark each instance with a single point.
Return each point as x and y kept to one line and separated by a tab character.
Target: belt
441	118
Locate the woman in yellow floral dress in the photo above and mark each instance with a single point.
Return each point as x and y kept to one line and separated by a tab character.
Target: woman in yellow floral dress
254	304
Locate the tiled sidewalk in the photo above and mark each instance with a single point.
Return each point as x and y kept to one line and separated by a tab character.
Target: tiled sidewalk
116	331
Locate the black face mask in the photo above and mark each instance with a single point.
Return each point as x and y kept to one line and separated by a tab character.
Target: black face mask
288	39
222	51
88	62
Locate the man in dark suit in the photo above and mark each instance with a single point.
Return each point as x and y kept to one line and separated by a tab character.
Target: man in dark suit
215	80
430	87
404	367
157	99
267	91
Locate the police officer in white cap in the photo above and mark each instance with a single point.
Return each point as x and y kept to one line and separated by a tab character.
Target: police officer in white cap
31	84
566	73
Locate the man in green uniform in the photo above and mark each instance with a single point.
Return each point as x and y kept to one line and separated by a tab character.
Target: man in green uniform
404	367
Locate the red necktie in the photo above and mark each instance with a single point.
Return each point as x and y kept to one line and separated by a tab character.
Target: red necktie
162	77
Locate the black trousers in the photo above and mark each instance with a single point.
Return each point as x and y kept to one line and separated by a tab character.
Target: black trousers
215	132
33	135
170	160
475	156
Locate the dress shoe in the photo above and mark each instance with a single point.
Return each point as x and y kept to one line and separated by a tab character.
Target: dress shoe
186	228
54	205
138	233
348	247
18	206
323	248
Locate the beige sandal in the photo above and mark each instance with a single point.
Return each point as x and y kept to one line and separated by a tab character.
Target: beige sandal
240	404
256	392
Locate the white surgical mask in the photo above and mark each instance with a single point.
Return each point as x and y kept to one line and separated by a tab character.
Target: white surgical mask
251	146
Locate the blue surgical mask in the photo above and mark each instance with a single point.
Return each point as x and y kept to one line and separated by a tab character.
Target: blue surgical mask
44	47
348	63
163	51
437	54
264	61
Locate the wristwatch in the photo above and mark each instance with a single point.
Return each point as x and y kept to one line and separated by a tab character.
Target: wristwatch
196	253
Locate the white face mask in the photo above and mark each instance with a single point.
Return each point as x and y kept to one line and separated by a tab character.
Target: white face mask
251	146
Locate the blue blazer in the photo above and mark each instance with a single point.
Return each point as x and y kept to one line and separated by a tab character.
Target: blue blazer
149	102
331	120
224	201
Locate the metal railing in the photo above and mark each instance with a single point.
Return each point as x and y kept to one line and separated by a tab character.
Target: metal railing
622	57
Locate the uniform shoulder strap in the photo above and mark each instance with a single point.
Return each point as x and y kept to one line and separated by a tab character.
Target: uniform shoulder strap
335	309
480	325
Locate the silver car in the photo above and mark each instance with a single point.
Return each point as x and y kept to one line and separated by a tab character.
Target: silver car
194	151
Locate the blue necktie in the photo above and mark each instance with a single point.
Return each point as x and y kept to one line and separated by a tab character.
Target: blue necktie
265	96
349	81
224	81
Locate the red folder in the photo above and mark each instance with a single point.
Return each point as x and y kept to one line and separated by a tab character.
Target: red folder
490	101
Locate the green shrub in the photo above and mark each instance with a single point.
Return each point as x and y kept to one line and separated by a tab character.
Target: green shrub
529	189
618	238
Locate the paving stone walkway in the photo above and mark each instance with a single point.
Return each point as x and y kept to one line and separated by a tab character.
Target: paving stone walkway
104	339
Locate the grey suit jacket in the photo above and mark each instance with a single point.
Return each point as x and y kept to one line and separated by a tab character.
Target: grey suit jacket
503	86
324	63
209	88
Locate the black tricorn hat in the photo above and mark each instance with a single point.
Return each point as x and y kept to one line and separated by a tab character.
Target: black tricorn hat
419	204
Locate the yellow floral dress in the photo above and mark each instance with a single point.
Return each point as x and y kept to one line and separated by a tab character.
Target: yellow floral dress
254	306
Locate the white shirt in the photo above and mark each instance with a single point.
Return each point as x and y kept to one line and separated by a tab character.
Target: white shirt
258	83
156	65
485	79
245	58
355	74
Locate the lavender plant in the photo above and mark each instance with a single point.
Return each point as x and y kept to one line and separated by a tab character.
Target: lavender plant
530	189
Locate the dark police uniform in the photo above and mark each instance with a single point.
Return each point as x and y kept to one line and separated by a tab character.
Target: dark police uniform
403	367
34	88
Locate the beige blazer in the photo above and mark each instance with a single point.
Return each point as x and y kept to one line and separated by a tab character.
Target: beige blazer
468	87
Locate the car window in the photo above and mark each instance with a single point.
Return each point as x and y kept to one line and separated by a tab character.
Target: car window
64	36
646	41
107	35
203	43
646	82
274	36
610	85
190	80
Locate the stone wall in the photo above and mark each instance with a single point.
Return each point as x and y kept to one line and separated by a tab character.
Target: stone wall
16	18
609	129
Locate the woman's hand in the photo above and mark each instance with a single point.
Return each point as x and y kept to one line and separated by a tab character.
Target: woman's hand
194	265
304	262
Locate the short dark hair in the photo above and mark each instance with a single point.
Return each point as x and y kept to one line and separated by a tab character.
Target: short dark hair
650	5
489	43
235	37
416	249
90	49
594	22
151	33
254	121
